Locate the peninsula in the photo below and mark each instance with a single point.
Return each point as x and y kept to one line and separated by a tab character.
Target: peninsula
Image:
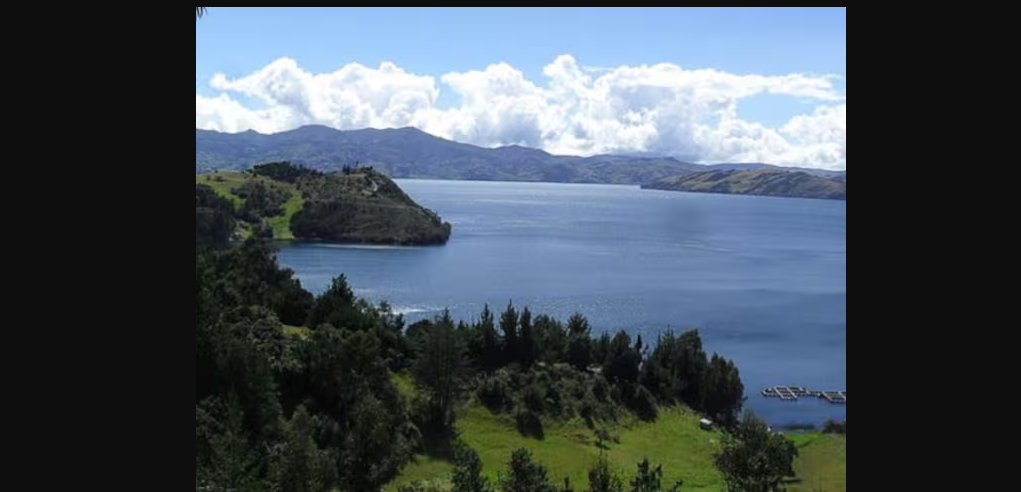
356	205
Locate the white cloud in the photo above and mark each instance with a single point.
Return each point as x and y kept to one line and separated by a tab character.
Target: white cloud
576	110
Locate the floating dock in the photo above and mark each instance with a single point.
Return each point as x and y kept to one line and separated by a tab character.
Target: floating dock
792	393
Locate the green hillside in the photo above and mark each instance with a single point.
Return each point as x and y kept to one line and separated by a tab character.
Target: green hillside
226	183
674	440
763	182
360	205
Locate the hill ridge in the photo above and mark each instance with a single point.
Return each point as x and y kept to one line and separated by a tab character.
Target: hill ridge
759	182
412	153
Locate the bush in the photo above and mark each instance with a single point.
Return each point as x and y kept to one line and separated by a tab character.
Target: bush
644	404
616	394
534	398
422	486
835	427
601	389
754	458
557	392
264	231
604	436
496	393
467	475
558	401
529	424
525	475
603	479
589	411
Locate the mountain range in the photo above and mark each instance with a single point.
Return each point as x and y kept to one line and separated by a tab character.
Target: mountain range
412	153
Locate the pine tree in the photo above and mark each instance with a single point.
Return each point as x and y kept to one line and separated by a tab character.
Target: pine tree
509	327
439	368
490	341
468	475
525	475
529	347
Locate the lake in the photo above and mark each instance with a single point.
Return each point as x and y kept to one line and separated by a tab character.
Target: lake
763	279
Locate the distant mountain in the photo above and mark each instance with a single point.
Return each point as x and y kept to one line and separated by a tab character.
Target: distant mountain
764	182
412	153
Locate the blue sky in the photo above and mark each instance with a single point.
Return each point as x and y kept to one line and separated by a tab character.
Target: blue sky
746	42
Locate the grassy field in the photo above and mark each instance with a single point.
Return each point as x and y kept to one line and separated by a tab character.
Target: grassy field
675	441
569	450
821	464
222	183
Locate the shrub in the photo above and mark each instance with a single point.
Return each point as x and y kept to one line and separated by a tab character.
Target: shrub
603	479
604	436
525	475
601	389
534	398
422	486
835	427
644	404
529	424
616	394
496	393
589	411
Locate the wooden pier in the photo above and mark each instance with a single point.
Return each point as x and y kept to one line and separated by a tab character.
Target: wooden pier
792	393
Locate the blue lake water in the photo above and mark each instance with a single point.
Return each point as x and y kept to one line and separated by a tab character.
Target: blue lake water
764	279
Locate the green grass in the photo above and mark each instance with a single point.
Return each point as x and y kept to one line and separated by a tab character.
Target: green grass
282	223
821	464
674	440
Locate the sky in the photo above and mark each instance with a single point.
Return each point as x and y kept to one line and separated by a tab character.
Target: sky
702	84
